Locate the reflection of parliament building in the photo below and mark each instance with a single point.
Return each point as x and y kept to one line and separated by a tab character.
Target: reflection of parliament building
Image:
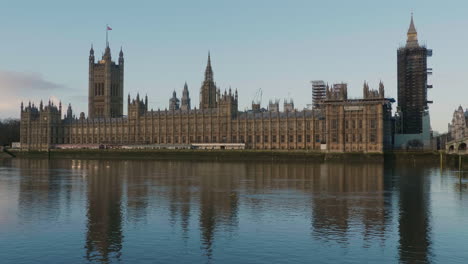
335	123
368	201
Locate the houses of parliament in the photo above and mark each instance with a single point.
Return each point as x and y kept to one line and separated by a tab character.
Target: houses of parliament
335	123
338	124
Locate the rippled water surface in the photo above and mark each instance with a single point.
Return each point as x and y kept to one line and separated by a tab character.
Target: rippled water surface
88	211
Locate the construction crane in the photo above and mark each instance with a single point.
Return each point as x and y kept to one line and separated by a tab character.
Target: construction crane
258	97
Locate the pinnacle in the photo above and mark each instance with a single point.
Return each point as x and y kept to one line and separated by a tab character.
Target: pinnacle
412	28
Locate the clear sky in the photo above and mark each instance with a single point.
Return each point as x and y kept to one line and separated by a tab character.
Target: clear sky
278	46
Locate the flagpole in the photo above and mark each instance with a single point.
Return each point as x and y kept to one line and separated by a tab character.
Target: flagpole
107	31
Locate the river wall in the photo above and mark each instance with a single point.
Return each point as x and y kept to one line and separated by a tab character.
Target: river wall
231	155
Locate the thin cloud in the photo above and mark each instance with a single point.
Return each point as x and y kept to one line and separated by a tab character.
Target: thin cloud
23	81
16	87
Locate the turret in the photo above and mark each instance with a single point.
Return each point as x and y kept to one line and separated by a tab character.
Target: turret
288	105
185	106
146	102
273	106
136	108
174	102
91	54
339	91
69	112
121	57
228	104
373	94
365	89
381	90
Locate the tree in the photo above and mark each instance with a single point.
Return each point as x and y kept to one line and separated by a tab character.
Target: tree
9	131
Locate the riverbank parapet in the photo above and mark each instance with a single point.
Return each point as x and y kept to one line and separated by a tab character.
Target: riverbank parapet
217	154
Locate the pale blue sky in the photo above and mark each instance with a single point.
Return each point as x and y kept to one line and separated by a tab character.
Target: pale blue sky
278	46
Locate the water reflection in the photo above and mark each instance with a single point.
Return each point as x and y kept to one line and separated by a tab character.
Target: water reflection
42	191
104	211
414	216
219	200
343	203
350	195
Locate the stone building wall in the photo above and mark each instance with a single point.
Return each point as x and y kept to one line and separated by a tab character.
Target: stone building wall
41	127
344	126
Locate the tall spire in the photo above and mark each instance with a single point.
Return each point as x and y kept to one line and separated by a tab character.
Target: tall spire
412	28
209	70
412	40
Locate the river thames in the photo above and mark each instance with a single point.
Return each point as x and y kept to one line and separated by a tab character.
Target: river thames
143	211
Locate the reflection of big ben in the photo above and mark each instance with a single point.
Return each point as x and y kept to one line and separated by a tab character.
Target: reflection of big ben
104	236
414	223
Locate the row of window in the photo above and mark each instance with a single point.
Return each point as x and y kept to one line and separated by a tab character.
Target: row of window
242	125
234	139
175	129
334	137
99	89
353	124
352	138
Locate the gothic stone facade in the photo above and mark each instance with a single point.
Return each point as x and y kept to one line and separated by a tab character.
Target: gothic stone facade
458	128
339	125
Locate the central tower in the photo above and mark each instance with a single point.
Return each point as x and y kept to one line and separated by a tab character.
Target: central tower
208	91
105	90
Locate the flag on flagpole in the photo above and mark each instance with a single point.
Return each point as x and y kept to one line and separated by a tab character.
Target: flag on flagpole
109	28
